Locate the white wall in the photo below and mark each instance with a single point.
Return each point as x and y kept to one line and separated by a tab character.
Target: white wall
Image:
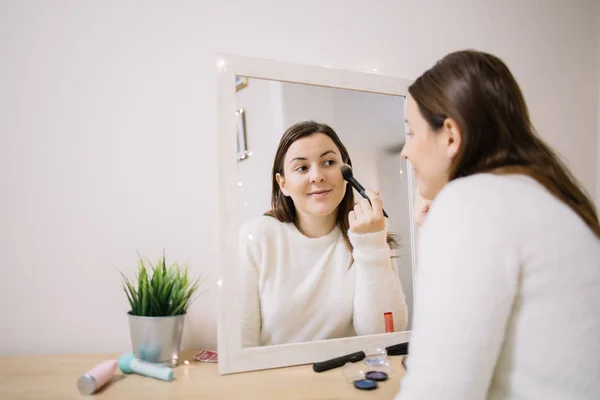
108	129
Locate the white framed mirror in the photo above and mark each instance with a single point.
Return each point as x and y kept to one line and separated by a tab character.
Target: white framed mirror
274	326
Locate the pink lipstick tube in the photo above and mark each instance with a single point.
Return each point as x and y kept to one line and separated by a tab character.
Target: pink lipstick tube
96	377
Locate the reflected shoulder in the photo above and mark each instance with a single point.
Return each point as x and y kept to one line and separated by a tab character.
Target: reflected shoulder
261	226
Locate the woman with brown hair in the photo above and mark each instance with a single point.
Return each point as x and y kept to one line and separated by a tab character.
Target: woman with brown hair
508	283
316	266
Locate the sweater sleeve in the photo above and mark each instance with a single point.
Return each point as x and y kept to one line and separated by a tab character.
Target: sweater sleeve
377	286
466	282
251	315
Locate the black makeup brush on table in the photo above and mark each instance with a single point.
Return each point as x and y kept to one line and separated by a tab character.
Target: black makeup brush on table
349	177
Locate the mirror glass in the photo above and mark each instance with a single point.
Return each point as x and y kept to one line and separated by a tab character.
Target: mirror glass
302	283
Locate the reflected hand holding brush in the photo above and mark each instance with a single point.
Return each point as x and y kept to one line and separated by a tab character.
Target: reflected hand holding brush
349	177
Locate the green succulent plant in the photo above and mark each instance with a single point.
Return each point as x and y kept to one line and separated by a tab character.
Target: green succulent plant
160	290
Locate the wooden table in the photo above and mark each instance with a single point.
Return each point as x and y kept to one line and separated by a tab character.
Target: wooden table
42	377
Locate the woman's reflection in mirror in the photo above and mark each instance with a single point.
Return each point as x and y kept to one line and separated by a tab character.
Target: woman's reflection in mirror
318	265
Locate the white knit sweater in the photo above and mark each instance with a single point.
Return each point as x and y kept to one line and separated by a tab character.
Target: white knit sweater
299	289
507	297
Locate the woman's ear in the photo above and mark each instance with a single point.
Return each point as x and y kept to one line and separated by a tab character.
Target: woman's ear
281	181
452	137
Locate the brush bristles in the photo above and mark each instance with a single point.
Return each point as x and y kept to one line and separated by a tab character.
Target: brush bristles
346	171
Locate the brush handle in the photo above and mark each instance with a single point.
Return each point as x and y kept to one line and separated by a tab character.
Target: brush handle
338	362
400	349
364	194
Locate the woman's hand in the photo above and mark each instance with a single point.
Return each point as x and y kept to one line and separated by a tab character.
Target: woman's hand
367	217
421	208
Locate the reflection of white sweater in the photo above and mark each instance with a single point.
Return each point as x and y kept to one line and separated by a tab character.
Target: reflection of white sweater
299	289
508	297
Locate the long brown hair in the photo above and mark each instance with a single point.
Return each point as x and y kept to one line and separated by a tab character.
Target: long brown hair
282	207
479	92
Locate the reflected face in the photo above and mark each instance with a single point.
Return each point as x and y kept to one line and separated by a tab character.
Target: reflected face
312	176
427	151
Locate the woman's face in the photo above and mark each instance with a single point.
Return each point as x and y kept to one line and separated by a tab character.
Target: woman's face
312	176
429	152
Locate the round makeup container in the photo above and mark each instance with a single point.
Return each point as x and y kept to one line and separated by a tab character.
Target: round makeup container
365	384
375	356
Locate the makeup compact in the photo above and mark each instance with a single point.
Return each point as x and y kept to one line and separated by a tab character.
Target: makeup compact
365	384
353	371
375	357
375	367
362	376
378	376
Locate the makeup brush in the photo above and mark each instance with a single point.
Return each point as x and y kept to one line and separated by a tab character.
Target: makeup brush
349	177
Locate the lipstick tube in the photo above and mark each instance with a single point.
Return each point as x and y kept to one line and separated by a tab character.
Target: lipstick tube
389	322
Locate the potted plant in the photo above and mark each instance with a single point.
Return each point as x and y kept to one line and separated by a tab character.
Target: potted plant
159	297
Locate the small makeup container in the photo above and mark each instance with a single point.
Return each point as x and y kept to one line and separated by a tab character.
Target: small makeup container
375	367
365	384
356	374
354	371
377	376
377	364
96	377
375	357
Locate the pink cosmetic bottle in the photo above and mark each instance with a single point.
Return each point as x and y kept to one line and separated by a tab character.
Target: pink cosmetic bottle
96	377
